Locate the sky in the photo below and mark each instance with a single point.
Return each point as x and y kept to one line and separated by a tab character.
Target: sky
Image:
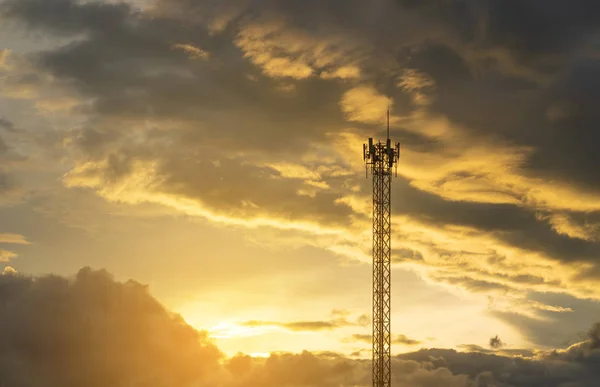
211	152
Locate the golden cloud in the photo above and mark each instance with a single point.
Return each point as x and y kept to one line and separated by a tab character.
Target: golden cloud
6	256
193	51
365	104
565	225
142	185
282	51
344	72
417	84
466	167
8	270
458	256
15	239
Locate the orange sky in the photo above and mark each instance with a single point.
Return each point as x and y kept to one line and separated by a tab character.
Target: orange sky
213	151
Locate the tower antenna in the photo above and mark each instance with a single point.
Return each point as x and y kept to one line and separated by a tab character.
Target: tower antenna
388	123
382	158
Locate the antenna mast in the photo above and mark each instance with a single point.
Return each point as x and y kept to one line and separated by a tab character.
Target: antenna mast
382	158
388	123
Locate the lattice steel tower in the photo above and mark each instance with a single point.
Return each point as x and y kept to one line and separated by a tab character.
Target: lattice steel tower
382	158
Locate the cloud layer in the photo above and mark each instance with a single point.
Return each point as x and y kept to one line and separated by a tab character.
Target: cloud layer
92	330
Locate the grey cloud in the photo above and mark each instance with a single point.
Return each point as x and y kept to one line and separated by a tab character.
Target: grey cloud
90	330
576	366
475	285
8	180
66	16
535	33
310	326
594	335
404	340
567	145
106	66
554	328
505	352
3	147
361	337
298	325
6	124
399	339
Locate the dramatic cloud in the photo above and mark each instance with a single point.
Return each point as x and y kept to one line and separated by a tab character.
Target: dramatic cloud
112	332
91	330
253	114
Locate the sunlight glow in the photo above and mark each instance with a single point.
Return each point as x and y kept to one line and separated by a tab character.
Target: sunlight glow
263	355
227	330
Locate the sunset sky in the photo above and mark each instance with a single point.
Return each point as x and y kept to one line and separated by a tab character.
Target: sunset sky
212	150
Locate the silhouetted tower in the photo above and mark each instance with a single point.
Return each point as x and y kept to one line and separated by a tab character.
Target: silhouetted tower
382	158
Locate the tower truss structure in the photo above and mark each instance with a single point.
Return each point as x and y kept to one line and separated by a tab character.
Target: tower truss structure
381	159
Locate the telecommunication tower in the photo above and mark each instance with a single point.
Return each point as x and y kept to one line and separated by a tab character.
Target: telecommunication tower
382	158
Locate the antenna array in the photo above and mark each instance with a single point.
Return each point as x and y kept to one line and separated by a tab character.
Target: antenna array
382	158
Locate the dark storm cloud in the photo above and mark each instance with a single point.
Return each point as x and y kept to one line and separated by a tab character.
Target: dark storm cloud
568	144
119	42
539	34
552	39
